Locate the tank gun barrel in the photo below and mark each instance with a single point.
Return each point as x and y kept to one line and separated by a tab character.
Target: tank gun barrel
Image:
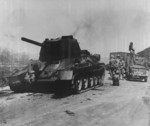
31	41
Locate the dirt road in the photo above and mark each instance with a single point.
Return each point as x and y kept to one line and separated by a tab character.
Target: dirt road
126	105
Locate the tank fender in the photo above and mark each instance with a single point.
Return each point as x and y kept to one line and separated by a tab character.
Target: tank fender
65	74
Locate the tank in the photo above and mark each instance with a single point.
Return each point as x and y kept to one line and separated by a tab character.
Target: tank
60	59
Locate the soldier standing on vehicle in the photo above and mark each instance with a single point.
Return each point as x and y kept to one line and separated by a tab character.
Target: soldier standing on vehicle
131	48
132	53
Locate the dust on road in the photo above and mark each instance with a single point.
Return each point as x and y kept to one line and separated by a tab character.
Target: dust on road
126	105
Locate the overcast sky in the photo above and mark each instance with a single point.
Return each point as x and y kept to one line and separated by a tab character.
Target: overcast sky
101	26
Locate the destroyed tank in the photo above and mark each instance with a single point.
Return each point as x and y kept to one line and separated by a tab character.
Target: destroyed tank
60	59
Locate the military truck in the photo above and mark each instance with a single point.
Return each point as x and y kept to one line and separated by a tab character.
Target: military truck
135	66
60	59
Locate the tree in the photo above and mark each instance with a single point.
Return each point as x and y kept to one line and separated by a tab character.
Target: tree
5	56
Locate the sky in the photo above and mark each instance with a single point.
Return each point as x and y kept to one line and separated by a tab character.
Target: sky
101	26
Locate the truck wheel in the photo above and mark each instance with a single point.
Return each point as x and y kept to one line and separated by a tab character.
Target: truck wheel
145	79
128	78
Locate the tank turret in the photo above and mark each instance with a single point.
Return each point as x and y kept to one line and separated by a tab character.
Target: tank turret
57	49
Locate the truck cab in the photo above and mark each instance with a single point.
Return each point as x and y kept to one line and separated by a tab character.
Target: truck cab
138	72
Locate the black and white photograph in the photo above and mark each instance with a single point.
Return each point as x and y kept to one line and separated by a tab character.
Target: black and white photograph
74	62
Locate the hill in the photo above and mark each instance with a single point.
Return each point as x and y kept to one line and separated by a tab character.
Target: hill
145	53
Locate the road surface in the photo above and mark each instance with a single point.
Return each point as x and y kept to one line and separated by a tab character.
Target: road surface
124	105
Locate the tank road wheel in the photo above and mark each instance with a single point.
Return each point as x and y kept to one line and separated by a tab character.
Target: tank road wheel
101	79
95	81
78	83
85	83
91	82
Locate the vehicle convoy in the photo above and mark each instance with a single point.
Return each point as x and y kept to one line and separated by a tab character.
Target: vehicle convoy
60	59
135	66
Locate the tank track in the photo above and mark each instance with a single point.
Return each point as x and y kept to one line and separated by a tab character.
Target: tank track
86	81
18	84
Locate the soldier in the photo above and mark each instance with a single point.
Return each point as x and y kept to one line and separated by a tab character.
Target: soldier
132	51
112	64
122	68
117	65
117	61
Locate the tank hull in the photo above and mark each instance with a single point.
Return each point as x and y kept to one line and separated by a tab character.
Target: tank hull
23	80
